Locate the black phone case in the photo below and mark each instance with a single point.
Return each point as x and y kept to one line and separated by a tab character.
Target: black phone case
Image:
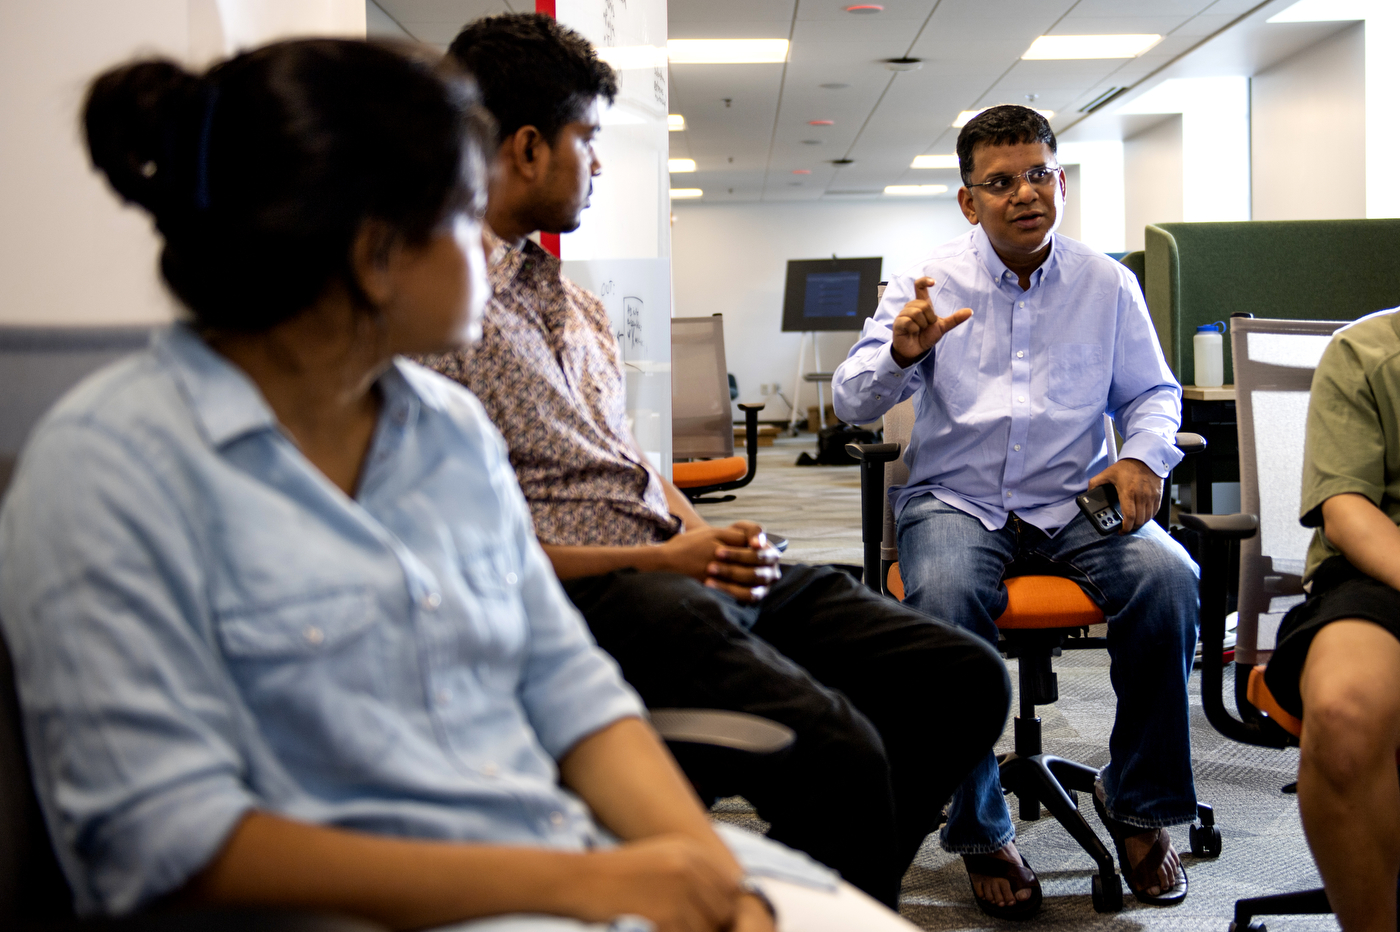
1100	506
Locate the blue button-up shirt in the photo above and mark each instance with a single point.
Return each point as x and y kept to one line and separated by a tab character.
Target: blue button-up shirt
203	624
1009	406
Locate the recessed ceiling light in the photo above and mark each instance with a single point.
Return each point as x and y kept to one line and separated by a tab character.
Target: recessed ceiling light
934	161
675	122
821	122
680	165
1066	47
967	115
801	171
904	64
865	8
686	192
915	190
834	86
727	51
842	161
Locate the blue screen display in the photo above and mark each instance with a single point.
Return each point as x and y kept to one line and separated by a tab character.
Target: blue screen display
831	294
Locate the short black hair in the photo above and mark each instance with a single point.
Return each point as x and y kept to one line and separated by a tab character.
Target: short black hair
532	71
260	173
1002	125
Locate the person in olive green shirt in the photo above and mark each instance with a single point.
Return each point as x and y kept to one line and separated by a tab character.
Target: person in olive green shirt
1338	657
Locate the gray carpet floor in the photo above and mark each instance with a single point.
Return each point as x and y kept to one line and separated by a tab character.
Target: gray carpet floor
817	509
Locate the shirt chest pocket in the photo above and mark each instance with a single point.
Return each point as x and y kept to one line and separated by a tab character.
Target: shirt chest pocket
313	670
1077	377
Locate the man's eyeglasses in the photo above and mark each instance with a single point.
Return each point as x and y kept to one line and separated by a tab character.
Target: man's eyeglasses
1002	185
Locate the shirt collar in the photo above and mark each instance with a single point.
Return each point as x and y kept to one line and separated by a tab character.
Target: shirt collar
228	404
998	270
505	261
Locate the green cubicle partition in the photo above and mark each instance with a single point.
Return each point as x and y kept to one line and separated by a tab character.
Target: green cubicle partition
1197	273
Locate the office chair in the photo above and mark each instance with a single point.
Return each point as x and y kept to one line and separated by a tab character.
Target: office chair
702	430
1044	615
1273	364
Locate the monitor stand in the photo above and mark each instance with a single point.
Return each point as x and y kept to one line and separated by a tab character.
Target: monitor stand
817	376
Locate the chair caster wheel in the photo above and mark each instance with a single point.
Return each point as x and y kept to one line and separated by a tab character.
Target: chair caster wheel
1106	897
1205	841
1254	926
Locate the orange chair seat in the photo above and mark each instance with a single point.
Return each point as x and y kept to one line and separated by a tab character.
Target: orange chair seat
708	472
1263	700
1033	602
1047	602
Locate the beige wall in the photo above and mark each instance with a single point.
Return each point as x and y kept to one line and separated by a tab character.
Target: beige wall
1308	118
69	252
732	259
1152	178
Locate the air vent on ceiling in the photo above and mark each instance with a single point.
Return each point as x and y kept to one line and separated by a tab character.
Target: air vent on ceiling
1104	99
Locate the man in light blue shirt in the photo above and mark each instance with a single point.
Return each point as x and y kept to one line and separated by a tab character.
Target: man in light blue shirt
1042	336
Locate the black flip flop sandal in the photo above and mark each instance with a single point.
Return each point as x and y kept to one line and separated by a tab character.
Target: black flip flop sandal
1144	875
1020	876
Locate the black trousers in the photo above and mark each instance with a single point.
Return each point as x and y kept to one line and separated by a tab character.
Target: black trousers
891	708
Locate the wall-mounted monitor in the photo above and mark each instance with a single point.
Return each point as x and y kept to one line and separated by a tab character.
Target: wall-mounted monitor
830	294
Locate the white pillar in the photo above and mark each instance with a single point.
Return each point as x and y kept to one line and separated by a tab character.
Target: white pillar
622	250
1102	214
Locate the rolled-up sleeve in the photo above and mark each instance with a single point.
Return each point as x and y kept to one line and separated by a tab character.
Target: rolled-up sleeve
569	687
869	382
131	733
1144	397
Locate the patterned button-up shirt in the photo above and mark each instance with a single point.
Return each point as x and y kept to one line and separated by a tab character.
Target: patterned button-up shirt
549	372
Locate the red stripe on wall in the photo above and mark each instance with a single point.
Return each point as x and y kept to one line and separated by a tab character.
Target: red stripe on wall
550	241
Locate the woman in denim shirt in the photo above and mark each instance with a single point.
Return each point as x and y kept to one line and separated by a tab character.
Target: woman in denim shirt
280	625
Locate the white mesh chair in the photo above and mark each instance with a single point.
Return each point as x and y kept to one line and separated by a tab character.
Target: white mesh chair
702	430
1274	362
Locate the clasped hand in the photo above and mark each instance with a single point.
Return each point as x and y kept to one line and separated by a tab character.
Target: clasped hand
917	327
737	559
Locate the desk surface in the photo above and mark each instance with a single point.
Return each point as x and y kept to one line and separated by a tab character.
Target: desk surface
1215	393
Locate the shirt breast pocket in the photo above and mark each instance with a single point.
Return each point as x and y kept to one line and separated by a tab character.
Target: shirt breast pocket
313	672
1077	376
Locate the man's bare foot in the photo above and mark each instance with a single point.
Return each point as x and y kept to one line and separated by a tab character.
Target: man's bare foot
1169	874
998	889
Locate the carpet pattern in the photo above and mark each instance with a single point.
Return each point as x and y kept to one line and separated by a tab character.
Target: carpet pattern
817	509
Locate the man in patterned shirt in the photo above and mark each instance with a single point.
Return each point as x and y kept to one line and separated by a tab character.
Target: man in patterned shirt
697	616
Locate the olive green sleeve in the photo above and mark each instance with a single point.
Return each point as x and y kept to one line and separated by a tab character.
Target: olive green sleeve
1345	447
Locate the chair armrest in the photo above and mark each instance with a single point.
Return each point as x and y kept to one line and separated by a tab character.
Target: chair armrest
757	406
874	452
1222	527
1190	443
737	730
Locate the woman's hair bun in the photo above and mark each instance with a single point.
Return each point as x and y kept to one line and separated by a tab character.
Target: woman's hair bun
130	119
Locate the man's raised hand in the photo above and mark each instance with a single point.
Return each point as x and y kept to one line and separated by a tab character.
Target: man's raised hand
917	327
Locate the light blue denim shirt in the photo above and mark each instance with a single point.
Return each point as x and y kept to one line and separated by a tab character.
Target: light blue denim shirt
1009	405
203	624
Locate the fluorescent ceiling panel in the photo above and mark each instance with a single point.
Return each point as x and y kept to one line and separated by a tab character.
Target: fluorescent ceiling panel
934	161
727	51
1061	48
680	165
915	190
966	116
677	193
675	122
1327	11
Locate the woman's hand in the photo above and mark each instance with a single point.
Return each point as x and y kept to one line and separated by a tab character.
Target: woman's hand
671	880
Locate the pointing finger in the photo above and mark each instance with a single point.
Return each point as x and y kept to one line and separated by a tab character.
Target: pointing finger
921	287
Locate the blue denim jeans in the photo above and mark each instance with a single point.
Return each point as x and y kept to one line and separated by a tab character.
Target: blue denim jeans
1145	583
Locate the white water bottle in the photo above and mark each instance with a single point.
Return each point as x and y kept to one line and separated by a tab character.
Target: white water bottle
1210	355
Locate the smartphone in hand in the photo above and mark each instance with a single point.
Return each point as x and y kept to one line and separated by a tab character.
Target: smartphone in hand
1100	506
